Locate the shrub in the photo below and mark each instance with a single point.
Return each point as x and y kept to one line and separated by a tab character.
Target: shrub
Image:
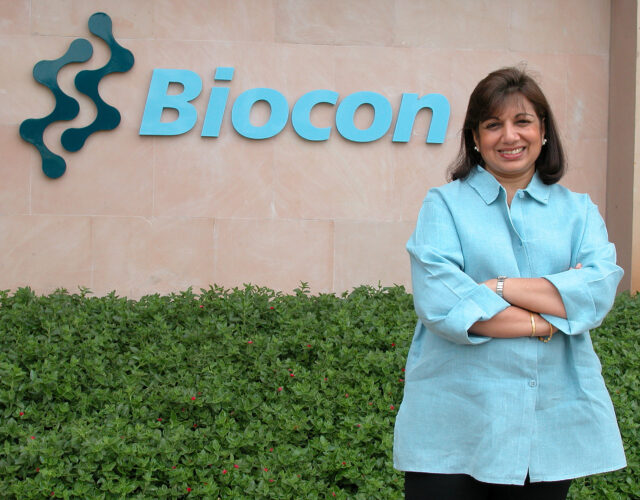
617	342
243	393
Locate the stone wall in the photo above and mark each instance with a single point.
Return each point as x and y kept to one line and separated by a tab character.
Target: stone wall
142	215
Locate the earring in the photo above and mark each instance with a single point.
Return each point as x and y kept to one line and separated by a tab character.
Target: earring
544	141
476	148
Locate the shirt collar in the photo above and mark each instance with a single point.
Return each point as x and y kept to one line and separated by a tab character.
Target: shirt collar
489	188
538	190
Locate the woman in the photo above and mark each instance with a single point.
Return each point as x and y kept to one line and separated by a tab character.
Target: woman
503	392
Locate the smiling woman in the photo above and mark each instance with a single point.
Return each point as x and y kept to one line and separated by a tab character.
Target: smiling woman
510	143
500	257
497	99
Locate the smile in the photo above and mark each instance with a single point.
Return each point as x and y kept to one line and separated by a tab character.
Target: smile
512	151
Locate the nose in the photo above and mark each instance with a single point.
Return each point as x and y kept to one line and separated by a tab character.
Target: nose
510	133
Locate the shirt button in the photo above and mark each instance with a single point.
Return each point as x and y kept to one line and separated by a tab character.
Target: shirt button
521	194
532	383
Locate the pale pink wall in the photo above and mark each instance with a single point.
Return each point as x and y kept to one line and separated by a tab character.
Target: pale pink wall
157	214
624	173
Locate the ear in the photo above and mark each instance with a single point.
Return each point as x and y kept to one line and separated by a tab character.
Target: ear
543	129
476	139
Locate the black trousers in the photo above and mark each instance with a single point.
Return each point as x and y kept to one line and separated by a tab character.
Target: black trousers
426	486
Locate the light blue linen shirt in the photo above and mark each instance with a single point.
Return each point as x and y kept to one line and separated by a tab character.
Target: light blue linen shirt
498	408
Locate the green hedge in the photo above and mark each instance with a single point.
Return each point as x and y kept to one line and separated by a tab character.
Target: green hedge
242	393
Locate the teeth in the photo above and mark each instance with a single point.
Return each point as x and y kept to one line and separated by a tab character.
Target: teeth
512	151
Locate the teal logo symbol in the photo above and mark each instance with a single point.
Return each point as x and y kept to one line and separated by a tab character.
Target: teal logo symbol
66	107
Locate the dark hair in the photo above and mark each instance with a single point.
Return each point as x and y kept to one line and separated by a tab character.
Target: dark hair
486	100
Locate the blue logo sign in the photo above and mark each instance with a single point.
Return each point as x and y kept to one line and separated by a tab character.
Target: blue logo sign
158	99
67	108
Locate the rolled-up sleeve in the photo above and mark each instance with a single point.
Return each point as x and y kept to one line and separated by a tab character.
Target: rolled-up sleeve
588	293
447	300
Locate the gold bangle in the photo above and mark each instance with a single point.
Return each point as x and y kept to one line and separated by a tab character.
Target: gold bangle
533	324
547	339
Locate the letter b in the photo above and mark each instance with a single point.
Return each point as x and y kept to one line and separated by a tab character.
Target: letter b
158	100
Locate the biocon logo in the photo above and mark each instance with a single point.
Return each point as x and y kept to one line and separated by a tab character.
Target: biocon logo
66	107
158	99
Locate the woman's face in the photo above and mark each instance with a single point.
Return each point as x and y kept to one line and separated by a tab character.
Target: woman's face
511	142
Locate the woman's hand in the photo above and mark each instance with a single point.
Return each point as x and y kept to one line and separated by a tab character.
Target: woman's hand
532	294
513	322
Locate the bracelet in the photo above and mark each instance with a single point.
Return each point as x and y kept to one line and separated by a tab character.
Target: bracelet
547	339
533	325
500	286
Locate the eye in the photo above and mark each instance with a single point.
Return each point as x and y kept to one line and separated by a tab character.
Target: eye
524	121
492	125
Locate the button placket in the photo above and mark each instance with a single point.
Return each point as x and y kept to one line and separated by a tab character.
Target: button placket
516	217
